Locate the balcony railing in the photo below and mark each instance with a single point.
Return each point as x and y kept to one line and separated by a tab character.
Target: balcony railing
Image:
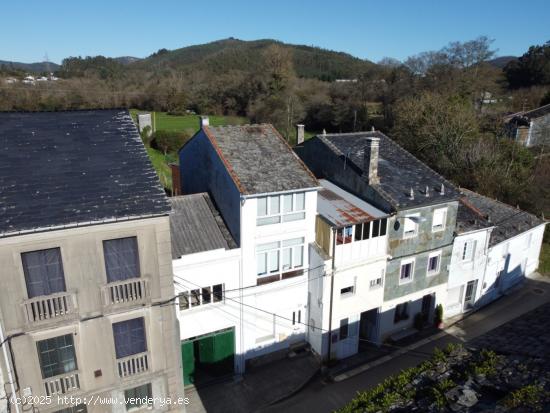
55	306
133	290
132	365
62	384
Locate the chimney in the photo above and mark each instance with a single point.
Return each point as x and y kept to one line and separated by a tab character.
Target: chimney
176	179
203	121
299	134
370	161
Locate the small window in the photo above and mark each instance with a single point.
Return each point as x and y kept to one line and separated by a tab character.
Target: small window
293	253
218	292
267	258
43	272
410	228
139	396
375	228
468	250
406	272
206	295
358	232
401	312
439	218
434	262
195	297
344	328
56	355
376	283
296	317
383	227
121	259
343	235
347	290
129	337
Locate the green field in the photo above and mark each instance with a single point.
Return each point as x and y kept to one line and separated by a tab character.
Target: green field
187	123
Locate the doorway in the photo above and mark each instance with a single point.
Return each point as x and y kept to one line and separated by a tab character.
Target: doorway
348	337
470	295
428	306
208	357
368	329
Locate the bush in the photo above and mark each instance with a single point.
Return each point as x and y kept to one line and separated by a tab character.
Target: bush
438	314
168	141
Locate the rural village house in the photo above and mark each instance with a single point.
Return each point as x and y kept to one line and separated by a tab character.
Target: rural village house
530	128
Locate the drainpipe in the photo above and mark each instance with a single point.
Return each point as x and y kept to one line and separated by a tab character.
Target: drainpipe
5	343
331	293
241	298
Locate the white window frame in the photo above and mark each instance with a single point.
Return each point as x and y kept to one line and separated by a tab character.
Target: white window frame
375	283
431	273
293	245
201	301
411	278
468	258
415	232
441	227
353	289
294	214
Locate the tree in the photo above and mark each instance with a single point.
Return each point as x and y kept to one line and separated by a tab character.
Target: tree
533	68
168	141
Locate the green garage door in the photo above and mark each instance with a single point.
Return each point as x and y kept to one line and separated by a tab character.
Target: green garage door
209	356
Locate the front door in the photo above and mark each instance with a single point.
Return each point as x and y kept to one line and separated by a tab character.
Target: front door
470	295
368	329
348	337
427	307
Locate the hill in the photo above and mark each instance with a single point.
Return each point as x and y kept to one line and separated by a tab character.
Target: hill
37	67
233	54
501	61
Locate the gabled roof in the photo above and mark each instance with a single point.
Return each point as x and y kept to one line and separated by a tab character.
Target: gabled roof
197	226
73	168
506	220
341	208
259	159
527	115
398	170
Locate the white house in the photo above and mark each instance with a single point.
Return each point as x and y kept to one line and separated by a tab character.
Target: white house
346	283
495	247
267	201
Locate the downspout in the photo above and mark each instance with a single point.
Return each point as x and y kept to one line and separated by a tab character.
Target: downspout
331	294
241	286
5	342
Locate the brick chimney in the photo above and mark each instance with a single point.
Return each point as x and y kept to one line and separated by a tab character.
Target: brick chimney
299	134
176	179
370	161
203	121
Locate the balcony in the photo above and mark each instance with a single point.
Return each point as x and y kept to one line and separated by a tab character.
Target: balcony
51	307
62	384
133	365
127	292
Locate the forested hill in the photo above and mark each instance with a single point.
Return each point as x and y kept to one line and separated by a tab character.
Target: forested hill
232	54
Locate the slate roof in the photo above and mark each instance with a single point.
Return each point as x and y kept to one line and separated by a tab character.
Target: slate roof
341	208
398	170
197	226
259	159
73	168
507	220
527	115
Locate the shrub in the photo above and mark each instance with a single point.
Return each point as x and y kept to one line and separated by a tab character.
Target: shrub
168	141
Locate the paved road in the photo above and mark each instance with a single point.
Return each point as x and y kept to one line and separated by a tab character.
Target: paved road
321	397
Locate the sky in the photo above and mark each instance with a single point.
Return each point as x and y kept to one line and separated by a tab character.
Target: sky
30	29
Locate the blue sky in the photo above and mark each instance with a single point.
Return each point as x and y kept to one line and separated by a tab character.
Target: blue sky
367	29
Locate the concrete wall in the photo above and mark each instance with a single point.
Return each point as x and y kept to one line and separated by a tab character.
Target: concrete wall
539	131
84	269
203	171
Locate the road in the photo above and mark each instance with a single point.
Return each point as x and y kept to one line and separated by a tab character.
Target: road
319	396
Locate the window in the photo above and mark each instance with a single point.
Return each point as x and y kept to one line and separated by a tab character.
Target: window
375	228
296	315
57	355
468	250
344	329
410	228
406	272
401	312
129	337
377	282
269	208
343	235
363	231
138	396
200	296
347	290
434	263
383	227
439	219
121	259
268	256
43	272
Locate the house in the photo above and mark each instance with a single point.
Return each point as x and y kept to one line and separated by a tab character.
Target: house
530	128
346	281
496	247
86	264
422	206
267	200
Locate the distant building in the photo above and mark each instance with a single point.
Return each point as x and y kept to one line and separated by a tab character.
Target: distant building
86	264
530	128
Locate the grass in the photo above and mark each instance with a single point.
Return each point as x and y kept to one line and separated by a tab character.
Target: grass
544	266
187	123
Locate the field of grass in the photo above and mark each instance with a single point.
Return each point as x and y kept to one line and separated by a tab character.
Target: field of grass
187	123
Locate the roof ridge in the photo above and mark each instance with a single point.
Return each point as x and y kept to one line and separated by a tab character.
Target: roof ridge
517	211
